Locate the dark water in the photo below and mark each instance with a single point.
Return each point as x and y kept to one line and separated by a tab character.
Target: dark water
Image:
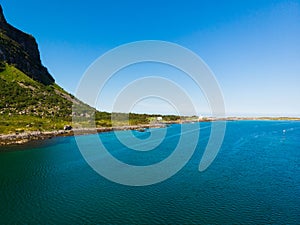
255	179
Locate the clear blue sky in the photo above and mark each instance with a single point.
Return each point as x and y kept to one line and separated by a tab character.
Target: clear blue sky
253	47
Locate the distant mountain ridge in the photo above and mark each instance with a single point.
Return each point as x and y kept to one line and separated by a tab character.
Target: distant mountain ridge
21	50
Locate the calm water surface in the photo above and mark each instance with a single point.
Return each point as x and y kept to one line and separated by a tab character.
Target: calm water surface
255	179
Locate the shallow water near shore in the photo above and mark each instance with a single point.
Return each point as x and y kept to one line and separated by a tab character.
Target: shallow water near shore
255	179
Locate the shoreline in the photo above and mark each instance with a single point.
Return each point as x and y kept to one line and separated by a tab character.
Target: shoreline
28	136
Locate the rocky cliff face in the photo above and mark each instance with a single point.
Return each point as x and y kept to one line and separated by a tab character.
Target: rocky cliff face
21	50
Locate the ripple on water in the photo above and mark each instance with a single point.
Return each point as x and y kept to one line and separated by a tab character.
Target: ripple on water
255	179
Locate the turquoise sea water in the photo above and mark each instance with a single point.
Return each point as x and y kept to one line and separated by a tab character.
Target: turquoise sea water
255	179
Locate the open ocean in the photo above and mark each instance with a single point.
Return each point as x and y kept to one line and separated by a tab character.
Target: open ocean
255	179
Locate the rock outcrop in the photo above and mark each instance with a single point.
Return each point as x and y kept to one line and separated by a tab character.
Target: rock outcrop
21	50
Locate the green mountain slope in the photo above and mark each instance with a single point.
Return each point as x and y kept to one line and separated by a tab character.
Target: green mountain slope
31	101
29	97
26	104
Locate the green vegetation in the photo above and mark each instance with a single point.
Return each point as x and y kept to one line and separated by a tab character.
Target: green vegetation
21	123
31	101
20	95
28	105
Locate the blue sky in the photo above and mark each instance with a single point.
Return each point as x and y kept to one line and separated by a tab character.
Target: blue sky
253	47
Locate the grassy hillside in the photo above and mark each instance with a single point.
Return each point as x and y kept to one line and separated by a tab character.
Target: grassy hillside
29	98
28	105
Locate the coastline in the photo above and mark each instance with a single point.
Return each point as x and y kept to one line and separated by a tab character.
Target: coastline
27	136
